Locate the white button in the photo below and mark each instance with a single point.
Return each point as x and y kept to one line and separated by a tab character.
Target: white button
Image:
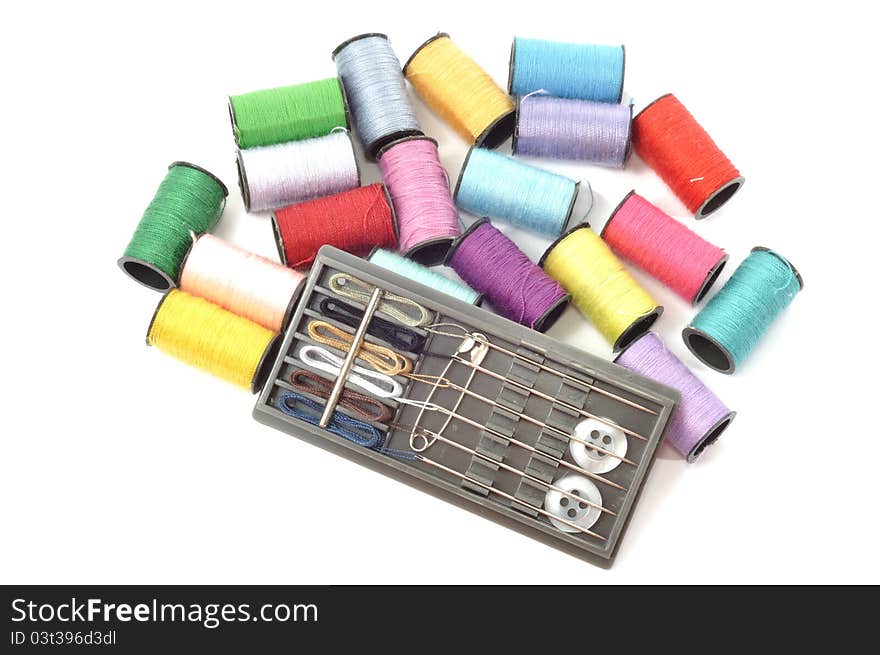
605	435
570	509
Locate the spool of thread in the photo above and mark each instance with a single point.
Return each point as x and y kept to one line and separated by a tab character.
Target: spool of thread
583	130
730	325
354	221
423	275
600	286
188	201
517	289
458	90
371	75
498	186
244	283
275	176
671	141
288	113
567	70
419	189
700	417
660	245
213	339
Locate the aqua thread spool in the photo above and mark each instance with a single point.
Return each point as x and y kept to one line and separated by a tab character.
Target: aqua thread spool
727	329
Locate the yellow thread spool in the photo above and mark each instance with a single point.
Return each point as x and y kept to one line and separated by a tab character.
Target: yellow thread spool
213	339
461	92
600	287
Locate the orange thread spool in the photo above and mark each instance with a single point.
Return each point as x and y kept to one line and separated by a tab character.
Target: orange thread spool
671	141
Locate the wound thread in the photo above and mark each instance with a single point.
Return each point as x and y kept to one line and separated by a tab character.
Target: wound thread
663	247
394	335
400	308
385	360
366	407
419	190
275	176
355	221
373	382
423	275
305	409
517	289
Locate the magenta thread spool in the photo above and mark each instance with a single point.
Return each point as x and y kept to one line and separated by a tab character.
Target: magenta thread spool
581	130
513	284
663	247
700	417
419	188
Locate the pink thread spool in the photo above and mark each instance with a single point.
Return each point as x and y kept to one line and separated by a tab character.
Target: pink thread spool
663	247
419	188
242	282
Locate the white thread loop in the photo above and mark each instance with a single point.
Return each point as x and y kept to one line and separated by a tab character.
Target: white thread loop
323	360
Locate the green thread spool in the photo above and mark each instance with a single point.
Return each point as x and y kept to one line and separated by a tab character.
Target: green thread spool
187	203
288	113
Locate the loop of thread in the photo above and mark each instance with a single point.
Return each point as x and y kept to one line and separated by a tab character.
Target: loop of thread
682	153
457	88
240	281
366	407
495	185
354	221
378	384
567	70
517	288
209	337
699	411
583	130
274	176
738	315
423	275
385	360
188	201
348	286
419	192
395	335
351	429
660	245
370	72
600	287
288	113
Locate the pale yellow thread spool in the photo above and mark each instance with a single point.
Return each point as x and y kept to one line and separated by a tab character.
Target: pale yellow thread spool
213	339
600	287
461	92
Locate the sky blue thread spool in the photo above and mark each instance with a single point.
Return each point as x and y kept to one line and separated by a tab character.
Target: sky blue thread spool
498	186
567	70
726	330
424	275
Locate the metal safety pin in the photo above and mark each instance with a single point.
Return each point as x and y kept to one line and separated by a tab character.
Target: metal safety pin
429	438
433	407
443	383
503	494
565	376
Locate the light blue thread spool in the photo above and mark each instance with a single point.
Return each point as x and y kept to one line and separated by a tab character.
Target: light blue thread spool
567	70
423	275
495	185
726	330
373	82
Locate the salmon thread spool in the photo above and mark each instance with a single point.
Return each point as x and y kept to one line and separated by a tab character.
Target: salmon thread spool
671	141
661	246
213	339
600	286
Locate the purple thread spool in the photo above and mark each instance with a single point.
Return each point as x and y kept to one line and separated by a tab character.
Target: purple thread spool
700	418
516	287
560	128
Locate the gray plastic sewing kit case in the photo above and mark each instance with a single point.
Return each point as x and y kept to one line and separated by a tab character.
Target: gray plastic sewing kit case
502	418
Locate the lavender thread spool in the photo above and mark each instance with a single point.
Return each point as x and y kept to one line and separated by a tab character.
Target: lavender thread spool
516	287
560	128
700	418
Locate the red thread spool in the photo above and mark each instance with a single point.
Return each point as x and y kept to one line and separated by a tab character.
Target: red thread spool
670	140
663	247
355	221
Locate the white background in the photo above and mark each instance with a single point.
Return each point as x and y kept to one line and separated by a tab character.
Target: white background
120	465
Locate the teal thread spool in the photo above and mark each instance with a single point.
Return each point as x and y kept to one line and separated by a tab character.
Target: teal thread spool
424	275
726	330
188	202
